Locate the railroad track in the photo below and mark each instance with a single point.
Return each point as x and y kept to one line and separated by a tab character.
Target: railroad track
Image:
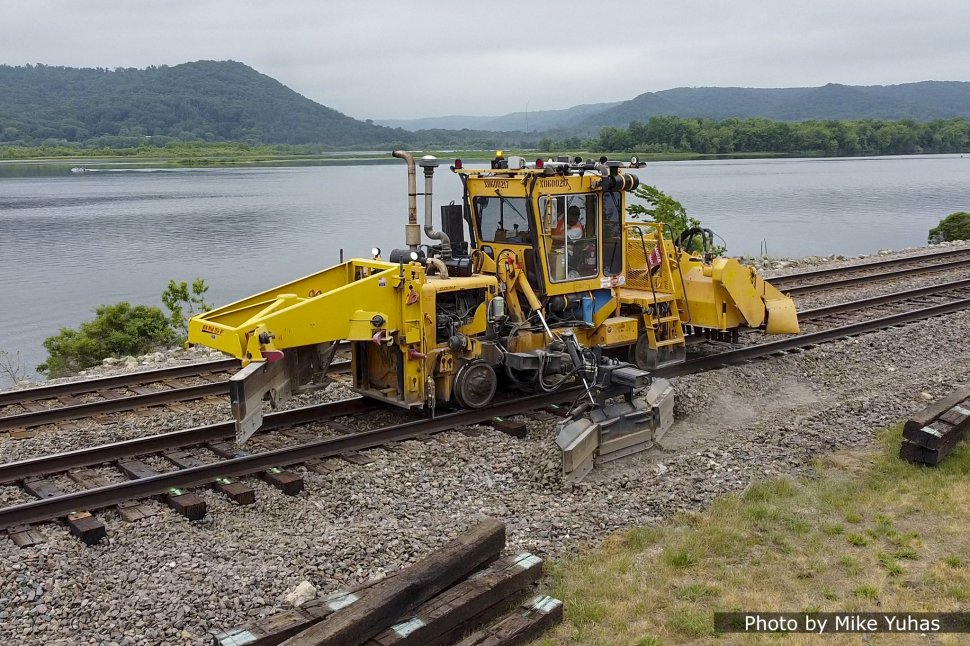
119	393
877	306
52	504
835	277
36	476
801	341
31	408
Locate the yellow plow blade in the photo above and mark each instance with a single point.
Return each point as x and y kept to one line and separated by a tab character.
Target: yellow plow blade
782	317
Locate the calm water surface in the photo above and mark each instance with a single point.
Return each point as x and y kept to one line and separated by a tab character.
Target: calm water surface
70	242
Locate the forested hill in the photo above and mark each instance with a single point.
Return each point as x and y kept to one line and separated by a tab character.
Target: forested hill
229	101
207	100
921	101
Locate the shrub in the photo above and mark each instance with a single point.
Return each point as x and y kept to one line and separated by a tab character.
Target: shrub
955	226
182	302
116	330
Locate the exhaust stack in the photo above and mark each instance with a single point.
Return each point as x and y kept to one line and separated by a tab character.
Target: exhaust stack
429	163
412	230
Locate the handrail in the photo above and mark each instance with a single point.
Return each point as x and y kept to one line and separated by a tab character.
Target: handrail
680	271
643	246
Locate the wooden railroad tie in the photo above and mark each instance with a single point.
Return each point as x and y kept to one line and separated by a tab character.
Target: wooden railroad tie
930	435
82	524
238	492
529	621
286	481
129	511
515	429
478	599
391	599
191	505
432	603
25	536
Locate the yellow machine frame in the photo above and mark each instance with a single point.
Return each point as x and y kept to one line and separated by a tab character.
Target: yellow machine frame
435	327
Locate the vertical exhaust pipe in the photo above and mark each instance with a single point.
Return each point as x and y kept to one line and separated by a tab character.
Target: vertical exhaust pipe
429	163
412	230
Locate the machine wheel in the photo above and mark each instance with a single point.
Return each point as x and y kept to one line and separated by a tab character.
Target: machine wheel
642	355
647	358
475	384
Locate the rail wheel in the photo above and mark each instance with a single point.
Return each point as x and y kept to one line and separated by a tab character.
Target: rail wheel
647	358
642	355
475	384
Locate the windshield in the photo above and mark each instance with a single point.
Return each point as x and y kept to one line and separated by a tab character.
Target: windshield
503	219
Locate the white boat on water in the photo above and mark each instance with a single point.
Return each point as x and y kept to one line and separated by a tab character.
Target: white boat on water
79	169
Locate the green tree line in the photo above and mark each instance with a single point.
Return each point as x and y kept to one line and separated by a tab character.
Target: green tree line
730	136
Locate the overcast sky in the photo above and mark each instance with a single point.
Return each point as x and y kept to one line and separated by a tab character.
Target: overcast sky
386	59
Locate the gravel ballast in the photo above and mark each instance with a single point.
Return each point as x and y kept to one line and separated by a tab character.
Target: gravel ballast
166	580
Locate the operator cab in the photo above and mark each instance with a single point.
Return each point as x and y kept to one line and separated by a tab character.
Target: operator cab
562	221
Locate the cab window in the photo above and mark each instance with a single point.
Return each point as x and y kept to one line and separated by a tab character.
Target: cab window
612	234
569	226
503	219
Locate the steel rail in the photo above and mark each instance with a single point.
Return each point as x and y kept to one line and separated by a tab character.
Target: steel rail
114	381
130	402
742	355
828	271
103	453
932	290
86	386
118	404
100	497
867	278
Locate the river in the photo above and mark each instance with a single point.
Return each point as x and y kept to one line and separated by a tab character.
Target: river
72	241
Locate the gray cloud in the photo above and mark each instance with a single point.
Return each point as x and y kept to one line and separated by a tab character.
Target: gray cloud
394	59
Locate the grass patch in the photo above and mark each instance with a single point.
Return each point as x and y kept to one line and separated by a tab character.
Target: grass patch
959	592
697	592
681	558
866	592
692	623
888	562
868	532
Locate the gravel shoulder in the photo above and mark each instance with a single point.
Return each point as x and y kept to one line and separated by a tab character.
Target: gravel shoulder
165	580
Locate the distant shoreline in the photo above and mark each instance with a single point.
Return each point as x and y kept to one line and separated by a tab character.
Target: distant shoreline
216	155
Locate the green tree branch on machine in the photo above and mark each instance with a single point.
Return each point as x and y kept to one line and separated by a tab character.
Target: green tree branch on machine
666	210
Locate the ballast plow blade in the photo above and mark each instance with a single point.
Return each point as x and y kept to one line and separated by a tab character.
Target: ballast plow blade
248	388
614	430
782	317
276	381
